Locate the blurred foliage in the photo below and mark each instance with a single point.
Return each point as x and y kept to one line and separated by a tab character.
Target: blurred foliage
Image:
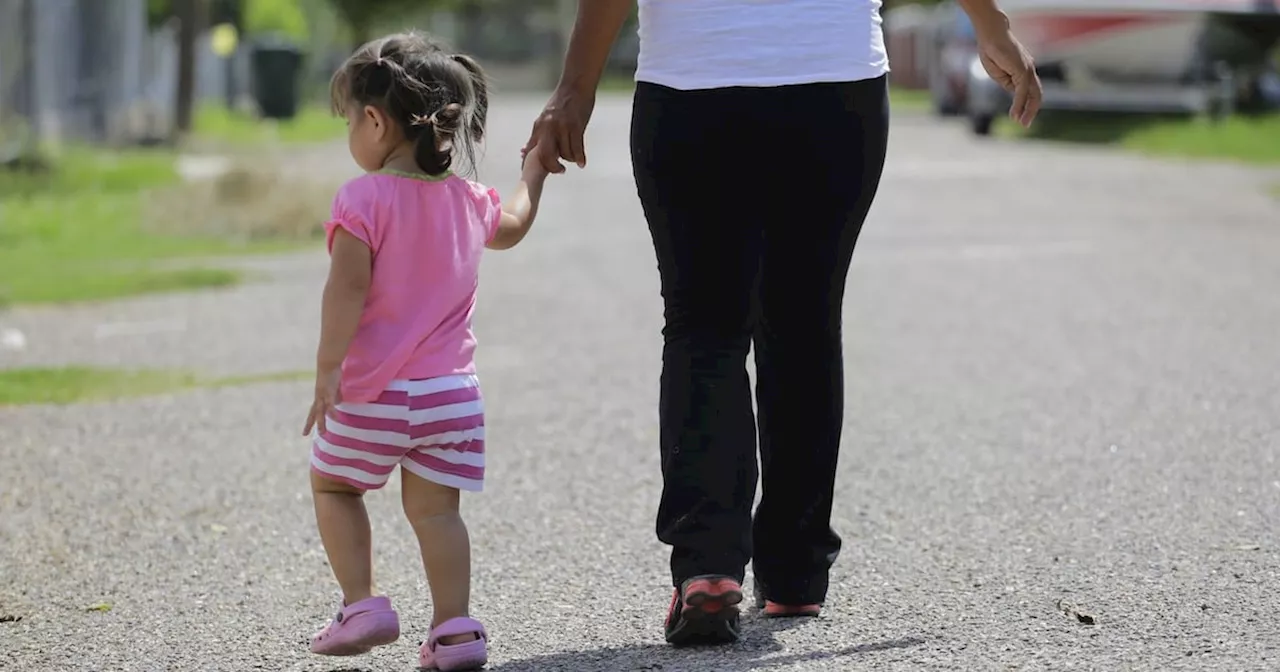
284	17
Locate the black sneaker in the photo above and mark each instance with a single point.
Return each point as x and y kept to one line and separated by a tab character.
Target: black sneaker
704	610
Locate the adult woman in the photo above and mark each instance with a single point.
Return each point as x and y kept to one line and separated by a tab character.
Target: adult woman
758	136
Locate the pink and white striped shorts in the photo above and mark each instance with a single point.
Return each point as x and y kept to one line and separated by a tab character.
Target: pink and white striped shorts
434	428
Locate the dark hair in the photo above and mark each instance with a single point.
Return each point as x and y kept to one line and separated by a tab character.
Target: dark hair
439	99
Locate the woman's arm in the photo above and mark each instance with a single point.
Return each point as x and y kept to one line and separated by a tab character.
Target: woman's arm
594	31
984	14
1005	59
519	211
563	123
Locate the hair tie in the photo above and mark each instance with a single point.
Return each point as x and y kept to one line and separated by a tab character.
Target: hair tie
422	120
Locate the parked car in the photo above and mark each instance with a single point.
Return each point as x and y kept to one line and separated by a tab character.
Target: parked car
954	46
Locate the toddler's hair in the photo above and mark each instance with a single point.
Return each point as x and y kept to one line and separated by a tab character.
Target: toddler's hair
440	100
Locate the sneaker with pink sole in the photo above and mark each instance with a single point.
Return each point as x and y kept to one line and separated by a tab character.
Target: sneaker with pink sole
471	655
358	628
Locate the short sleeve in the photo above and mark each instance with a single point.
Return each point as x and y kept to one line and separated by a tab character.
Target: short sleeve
350	213
492	213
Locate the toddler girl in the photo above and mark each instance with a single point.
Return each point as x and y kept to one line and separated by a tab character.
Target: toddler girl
395	376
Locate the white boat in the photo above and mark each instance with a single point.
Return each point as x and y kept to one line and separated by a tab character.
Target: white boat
1137	55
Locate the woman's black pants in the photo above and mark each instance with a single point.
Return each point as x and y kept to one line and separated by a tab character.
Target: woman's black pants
754	198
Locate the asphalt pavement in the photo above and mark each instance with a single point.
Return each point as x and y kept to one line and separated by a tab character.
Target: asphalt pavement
1063	423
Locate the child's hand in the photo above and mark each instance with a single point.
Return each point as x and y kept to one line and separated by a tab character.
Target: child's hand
532	169
327	382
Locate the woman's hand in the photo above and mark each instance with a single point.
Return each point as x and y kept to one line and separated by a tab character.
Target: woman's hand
559	131
1011	66
327	397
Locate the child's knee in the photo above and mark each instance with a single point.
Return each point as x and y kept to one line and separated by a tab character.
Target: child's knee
423	500
323	485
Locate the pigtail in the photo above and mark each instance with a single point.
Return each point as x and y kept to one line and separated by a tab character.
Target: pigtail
439	100
433	149
480	88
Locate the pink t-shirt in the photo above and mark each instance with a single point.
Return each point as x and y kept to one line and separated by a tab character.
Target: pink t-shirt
427	235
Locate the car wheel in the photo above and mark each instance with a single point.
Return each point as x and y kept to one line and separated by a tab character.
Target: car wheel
981	124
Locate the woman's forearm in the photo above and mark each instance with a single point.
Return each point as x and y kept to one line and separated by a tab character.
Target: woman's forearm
594	32
985	14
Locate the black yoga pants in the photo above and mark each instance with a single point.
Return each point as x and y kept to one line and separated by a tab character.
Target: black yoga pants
754	197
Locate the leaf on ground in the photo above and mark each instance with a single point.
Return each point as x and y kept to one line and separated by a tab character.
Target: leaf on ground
101	606
1074	612
1249	547
10	618
218	529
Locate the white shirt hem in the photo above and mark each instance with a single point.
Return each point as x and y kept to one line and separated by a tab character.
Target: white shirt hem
695	84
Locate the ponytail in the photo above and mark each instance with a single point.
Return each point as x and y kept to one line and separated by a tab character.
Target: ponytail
480	87
433	148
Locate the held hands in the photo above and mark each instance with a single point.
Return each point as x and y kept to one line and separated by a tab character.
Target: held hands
559	130
327	397
1012	67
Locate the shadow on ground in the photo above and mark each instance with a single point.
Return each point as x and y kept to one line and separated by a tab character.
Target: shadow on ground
749	655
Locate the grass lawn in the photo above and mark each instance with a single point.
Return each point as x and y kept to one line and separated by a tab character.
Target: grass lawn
1245	139
79	231
66	385
214	123
909	99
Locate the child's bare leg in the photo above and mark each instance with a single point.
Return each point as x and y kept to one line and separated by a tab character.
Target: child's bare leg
348	541
432	510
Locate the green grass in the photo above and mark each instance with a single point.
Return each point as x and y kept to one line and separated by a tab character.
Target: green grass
909	99
73	384
79	231
313	123
1244	139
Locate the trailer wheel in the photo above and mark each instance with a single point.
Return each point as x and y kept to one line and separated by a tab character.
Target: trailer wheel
981	124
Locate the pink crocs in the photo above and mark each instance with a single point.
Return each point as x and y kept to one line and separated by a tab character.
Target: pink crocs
358	628
453	657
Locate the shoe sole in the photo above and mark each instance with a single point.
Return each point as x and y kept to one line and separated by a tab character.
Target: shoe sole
462	665
780	611
364	643
710	614
774	610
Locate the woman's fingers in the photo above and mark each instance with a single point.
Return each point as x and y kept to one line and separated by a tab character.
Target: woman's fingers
564	140
578	147
1019	106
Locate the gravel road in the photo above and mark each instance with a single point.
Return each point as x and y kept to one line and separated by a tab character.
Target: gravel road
1063	406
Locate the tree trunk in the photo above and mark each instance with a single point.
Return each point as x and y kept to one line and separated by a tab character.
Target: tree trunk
187	13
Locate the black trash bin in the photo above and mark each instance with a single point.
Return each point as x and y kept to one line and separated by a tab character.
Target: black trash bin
276	66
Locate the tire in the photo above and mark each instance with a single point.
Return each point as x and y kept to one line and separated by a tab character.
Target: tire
981	124
946	108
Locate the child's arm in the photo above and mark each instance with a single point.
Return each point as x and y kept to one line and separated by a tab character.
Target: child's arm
519	211
350	271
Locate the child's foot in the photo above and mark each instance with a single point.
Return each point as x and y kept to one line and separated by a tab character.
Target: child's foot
358	628
772	609
704	611
469	654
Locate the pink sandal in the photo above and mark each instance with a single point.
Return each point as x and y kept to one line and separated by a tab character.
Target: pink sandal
471	655
358	628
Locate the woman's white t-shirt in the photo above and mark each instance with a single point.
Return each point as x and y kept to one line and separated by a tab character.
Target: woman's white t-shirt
708	44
